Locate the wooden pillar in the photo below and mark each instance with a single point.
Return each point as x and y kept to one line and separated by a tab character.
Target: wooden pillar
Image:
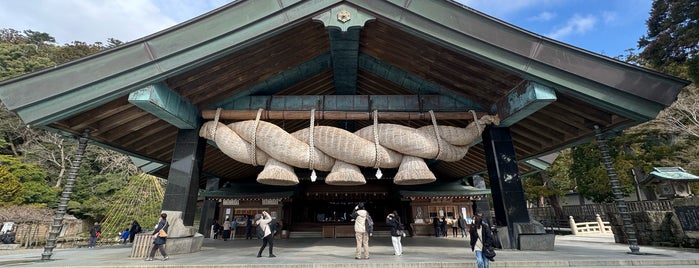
185	170
505	181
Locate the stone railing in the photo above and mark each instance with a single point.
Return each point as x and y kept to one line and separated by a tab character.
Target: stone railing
587	228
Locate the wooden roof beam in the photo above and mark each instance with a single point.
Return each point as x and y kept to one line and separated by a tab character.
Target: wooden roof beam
522	101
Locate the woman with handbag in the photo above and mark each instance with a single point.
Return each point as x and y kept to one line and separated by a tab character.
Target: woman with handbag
482	242
397	232
160	238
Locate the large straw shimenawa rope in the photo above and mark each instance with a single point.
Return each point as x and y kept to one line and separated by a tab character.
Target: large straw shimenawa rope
341	152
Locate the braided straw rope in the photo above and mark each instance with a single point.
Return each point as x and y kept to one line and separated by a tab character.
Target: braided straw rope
386	144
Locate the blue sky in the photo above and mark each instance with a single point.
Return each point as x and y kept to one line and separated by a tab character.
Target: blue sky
607	27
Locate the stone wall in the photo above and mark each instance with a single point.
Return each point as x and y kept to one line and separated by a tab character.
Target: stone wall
31	234
658	228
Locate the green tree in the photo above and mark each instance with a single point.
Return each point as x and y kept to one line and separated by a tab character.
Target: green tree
35	189
19	59
139	199
75	50
10	131
10	188
553	183
591	176
673	36
38	38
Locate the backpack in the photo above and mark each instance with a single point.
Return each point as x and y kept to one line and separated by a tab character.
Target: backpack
260	232
369	223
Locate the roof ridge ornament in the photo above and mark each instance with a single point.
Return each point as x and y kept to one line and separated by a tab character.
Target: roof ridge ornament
344	16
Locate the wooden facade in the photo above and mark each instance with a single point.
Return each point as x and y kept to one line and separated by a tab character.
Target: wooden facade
326	210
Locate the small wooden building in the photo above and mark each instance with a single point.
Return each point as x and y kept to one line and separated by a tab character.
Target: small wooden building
669	182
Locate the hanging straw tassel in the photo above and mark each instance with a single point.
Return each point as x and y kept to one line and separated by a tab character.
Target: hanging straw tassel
277	173
345	174
413	171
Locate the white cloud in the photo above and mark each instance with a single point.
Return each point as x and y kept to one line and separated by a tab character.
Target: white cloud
543	16
575	25
609	17
97	20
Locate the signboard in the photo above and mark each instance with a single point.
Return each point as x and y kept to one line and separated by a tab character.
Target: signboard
231	202
688	217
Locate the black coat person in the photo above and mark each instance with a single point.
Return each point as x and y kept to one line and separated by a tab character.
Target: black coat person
481	241
135	229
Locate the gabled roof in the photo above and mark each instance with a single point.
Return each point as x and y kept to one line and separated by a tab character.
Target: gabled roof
389	55
677	174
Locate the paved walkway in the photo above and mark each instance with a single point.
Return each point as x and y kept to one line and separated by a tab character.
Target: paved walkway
422	252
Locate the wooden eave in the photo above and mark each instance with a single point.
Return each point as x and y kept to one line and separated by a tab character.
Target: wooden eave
280	48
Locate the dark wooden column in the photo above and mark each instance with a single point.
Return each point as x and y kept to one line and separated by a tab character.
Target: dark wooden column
209	210
505	181
185	170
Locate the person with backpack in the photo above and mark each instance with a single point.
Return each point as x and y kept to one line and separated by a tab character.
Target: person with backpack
267	235
397	232
362	229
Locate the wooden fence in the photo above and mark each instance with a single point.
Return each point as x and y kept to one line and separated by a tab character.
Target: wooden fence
587	213
142	244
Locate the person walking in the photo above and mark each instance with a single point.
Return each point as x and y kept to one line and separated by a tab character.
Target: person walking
95	232
268	236
393	220
462	226
360	231
158	239
481	239
135	229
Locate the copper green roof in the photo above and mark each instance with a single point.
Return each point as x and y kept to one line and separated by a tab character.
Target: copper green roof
670	174
456	188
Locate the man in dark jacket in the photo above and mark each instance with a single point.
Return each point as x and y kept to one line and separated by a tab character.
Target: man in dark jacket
462	226
437	226
95	232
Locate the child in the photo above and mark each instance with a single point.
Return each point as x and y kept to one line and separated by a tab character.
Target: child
125	236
